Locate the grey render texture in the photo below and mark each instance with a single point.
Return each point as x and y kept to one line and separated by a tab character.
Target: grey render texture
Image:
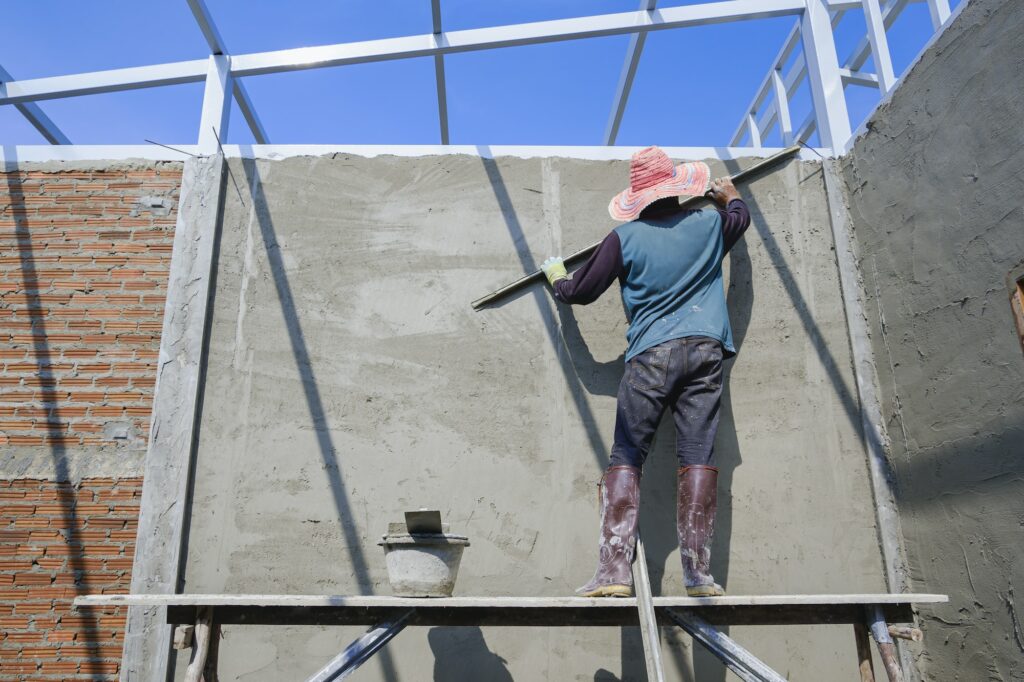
347	380
936	197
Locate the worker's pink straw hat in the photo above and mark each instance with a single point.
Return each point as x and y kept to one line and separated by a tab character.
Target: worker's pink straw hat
653	176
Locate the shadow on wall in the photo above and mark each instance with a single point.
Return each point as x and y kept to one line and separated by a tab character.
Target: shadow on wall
964	499
539	295
50	409
990	464
462	655
311	391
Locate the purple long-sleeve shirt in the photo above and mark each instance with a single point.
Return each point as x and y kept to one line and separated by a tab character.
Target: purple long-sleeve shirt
606	265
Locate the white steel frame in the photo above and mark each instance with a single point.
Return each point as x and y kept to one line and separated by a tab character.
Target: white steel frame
779	85
817	63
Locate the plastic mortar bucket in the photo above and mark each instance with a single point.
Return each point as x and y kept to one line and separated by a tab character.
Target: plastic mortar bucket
422	564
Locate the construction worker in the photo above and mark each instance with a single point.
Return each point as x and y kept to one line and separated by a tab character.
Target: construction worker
668	263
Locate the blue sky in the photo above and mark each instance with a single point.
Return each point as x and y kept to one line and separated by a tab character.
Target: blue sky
557	94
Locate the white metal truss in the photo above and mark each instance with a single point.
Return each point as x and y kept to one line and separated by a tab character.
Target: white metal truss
217	47
636	48
213	124
823	75
113	80
879	16
879	45
817	63
534	33
39	120
781	107
442	94
939	9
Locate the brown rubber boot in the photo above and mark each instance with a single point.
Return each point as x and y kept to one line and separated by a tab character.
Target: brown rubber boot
696	503
619	494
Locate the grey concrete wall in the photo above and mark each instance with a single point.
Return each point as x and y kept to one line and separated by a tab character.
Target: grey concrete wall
935	200
350	380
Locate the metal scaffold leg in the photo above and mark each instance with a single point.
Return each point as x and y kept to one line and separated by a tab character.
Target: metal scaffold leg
361	650
746	666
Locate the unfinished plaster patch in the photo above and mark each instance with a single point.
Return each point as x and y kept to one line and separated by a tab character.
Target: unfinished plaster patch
158	206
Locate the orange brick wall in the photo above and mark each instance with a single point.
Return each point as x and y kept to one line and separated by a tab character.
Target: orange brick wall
84	257
57	541
83	273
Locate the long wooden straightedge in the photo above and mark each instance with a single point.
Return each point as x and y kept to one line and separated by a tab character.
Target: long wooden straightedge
538	275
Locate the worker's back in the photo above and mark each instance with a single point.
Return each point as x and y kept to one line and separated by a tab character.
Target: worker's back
672	284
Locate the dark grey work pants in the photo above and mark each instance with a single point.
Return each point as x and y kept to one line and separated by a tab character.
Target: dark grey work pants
683	375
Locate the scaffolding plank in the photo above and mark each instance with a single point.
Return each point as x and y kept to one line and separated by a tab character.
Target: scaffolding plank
515	611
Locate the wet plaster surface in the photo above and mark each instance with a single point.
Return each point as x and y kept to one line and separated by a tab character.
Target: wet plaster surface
935	201
349	380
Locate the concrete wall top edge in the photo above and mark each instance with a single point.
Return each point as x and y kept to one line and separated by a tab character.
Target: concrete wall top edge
35	163
16	156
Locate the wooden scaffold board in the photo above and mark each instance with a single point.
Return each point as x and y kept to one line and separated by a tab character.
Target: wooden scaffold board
387	616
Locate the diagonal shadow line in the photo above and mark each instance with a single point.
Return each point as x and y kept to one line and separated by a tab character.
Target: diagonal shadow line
630	641
550	323
311	391
850	403
55	425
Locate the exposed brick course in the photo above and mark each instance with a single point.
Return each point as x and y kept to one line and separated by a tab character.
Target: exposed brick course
80	540
84	257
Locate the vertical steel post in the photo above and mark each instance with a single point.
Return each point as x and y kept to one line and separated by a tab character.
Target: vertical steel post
782	107
633	52
879	45
439	78
823	75
755	132
213	124
939	9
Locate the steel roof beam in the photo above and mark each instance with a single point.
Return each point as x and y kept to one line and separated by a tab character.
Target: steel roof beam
206	25
511	35
633	52
213	124
868	80
827	90
851	74
279	61
782	107
890	13
879	45
114	80
792	80
807	128
218	47
442	91
39	120
939	11
788	45
248	111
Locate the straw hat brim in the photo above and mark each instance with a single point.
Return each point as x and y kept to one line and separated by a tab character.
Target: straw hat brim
691	179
